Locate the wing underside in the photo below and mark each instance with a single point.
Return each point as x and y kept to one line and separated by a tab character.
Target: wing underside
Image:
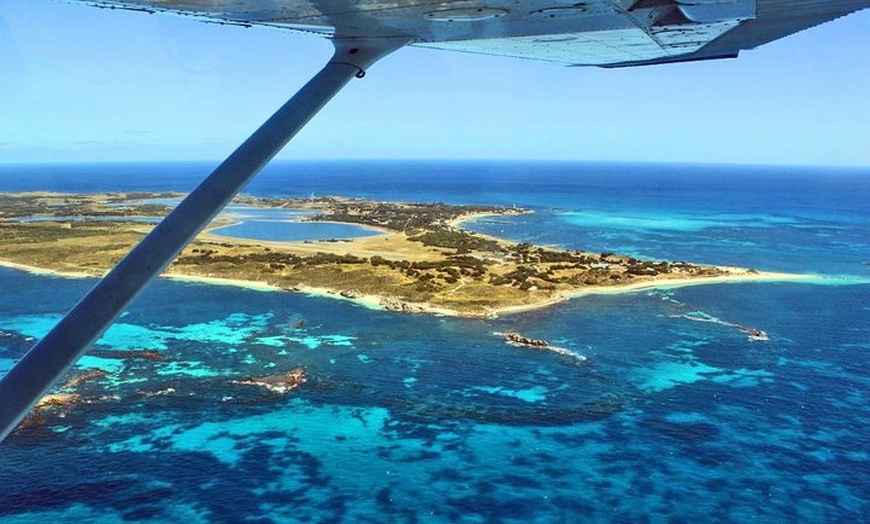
609	33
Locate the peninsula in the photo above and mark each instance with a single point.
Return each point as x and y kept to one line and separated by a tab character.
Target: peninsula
422	260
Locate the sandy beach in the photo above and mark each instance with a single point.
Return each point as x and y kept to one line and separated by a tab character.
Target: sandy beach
377	302
48	272
739	276
438	271
217	281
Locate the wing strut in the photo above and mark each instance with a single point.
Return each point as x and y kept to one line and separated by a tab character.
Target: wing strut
30	379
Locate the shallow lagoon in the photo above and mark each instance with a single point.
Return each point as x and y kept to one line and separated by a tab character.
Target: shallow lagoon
292	231
286	225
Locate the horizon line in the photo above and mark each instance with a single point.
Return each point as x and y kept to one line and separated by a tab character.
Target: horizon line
444	160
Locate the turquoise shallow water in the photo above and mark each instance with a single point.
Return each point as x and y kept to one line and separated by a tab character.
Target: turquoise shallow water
286	225
428	419
276	231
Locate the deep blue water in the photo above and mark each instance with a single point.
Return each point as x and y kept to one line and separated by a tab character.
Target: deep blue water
428	419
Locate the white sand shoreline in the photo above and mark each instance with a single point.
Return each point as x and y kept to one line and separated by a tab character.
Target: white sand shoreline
219	281
458	221
669	283
377	302
46	272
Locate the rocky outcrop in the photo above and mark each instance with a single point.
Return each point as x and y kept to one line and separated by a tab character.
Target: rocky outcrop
142	354
392	304
88	374
279	384
57	400
54	408
516	338
158	393
753	334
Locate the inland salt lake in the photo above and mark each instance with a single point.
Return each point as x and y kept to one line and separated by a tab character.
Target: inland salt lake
413	418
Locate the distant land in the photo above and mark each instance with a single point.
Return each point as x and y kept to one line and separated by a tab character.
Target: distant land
423	261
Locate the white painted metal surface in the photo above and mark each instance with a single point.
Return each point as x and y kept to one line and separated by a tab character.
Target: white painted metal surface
585	32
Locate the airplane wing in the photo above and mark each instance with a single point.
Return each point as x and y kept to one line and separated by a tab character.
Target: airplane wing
609	33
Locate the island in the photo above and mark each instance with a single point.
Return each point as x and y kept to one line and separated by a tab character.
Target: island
422	260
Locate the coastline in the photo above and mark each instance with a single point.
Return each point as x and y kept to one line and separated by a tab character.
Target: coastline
442	270
738	276
253	285
46	272
667	283
378	302
458	221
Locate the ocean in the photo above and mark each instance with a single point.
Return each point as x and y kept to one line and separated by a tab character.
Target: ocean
675	416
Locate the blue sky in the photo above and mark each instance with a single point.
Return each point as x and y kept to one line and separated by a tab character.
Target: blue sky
81	84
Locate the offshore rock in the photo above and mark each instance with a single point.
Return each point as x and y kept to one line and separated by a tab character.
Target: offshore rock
754	334
88	374
144	354
49	409
279	384
516	338
58	400
158	393
54	407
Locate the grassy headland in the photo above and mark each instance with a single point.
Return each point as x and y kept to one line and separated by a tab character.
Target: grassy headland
423	262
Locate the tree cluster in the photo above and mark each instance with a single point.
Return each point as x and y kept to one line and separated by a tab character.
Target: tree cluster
462	241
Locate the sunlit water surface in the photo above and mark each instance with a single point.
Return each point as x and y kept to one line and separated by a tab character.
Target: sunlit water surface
430	419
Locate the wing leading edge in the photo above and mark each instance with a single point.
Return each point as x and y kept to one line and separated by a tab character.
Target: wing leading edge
608	33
